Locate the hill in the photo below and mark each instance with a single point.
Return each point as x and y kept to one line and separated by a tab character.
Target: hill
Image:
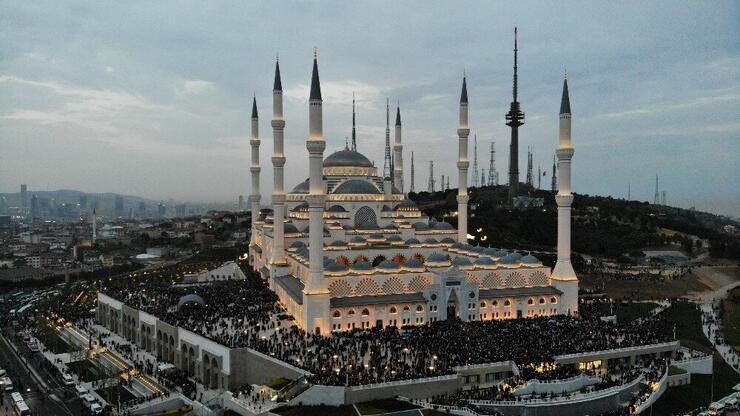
602	226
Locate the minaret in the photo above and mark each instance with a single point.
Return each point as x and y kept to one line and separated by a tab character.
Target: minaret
430	187
278	162
447	187
539	177
554	185
563	276
315	292
412	173
442	182
462	166
255	197
514	119
475	161
387	170
354	132
398	153
94	226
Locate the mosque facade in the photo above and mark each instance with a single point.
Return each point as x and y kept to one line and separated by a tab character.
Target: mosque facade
347	249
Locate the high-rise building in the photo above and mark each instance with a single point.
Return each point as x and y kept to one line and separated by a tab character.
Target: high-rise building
240	204
24	196
118	206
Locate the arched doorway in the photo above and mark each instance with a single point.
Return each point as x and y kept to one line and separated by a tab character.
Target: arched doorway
452	305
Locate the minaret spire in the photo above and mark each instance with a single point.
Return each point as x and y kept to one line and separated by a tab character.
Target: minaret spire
412	189
254	169
387	172
475	162
354	132
398	153
514	119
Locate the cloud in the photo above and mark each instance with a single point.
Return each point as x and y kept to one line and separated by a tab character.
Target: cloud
197	86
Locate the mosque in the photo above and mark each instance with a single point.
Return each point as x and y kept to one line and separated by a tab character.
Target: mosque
346	249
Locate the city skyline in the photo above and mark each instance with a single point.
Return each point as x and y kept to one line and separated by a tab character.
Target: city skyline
165	113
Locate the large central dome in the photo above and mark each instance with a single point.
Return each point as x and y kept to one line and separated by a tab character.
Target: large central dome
347	158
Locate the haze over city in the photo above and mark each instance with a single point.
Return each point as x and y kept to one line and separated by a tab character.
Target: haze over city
155	101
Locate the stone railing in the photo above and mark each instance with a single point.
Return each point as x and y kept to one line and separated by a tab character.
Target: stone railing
402	382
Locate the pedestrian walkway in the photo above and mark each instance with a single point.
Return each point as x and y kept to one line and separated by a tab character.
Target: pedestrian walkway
713	330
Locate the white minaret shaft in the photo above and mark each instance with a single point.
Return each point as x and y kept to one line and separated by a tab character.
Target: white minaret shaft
411	189
475	161
398	154
278	162
563	275
462	167
254	168
316	198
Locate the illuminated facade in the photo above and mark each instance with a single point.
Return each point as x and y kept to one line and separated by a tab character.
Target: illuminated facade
378	260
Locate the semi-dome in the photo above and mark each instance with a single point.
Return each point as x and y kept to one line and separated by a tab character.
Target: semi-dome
490	251
412	241
390	226
338	243
406	205
327	261
376	236
509	259
502	253
357	239
447	240
517	255
290	228
347	158
336	208
356	186
301	188
394	238
430	240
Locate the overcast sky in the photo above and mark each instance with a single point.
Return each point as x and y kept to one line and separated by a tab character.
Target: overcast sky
154	99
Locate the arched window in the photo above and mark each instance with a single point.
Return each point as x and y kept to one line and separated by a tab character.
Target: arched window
483	304
365	312
337	314
553	300
393	310
495	304
507	302
542	301
419	308
530	301
351	312
365	217
406	308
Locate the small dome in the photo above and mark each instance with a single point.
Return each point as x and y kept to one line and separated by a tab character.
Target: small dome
336	208
419	226
297	244
301	188
530	259
335	267
467	247
501	253
447	240
327	261
490	251
412	241
509	259
347	227
389	265
368	226
436	257
443	226
363	265
356	186
430	240
302	207
391	227
458	245
347	158
405	205
358	239
376	236
484	260
338	243
461	261
478	249
413	264
386	208
303	252
517	255
394	238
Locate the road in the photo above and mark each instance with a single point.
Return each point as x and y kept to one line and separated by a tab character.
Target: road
57	400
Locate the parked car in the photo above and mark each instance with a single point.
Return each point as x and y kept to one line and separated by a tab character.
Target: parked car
81	391
68	380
